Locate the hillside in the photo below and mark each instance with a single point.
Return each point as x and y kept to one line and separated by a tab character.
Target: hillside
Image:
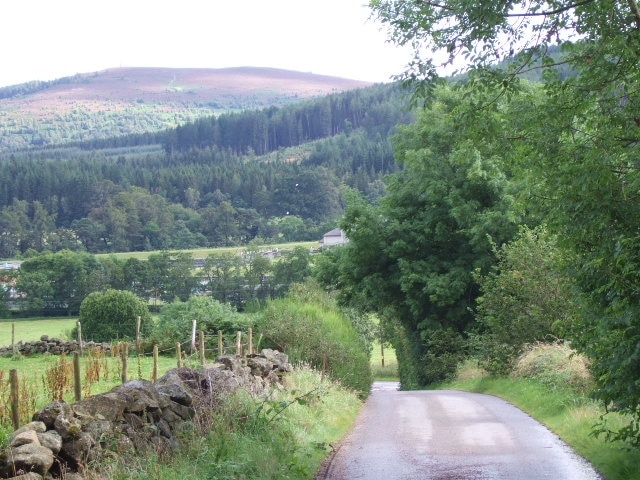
123	101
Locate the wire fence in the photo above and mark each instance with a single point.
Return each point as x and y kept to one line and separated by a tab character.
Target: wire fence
90	371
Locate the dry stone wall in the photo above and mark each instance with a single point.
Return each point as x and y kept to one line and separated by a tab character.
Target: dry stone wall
63	439
54	346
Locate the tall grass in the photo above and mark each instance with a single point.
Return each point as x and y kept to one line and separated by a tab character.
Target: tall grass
285	436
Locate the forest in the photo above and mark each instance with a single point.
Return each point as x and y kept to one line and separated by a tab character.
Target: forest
274	174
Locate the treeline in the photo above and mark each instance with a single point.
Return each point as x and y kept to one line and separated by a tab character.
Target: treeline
57	283
34	86
269	129
201	196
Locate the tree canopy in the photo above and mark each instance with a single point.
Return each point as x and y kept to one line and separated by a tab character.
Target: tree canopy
574	147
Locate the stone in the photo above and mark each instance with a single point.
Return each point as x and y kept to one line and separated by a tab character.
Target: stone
38	427
25	438
48	414
77	450
51	440
27	458
109	406
28	476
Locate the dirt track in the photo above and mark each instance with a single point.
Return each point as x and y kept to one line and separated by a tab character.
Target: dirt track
450	435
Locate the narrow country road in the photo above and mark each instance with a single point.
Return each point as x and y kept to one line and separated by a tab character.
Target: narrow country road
450	435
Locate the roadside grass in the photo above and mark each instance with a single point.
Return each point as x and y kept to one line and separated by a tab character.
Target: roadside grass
568	412
388	371
28	329
286	436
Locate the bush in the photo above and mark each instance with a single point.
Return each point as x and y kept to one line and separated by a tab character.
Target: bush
445	349
112	315
309	327
525	298
555	365
175	322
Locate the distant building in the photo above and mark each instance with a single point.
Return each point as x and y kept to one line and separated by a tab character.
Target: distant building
334	237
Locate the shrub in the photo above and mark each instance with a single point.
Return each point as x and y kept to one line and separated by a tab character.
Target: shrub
112	315
175	322
555	365
310	328
525	298
445	349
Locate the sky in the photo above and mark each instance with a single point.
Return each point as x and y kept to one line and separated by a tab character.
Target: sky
48	39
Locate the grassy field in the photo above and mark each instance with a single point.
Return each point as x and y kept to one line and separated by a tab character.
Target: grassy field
384	364
29	329
205	252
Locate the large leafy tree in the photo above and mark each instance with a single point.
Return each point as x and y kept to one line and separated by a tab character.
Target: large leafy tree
578	147
59	282
412	257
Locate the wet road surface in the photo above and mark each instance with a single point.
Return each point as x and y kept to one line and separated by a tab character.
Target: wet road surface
450	435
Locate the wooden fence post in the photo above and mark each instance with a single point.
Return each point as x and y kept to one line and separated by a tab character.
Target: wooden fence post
154	374
125	363
239	344
202	359
14	347
80	336
250	347
77	386
193	337
179	354
220	345
138	341
14	398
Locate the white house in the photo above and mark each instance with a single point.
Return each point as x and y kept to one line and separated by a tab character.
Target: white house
334	237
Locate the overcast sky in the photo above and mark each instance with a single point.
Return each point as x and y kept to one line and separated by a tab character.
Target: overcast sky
47	39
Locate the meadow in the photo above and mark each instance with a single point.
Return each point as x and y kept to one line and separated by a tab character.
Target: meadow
29	329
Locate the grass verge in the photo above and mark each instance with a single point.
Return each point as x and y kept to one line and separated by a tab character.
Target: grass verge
286	436
569	414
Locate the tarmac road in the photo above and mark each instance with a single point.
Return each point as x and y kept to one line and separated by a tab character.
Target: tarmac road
450	435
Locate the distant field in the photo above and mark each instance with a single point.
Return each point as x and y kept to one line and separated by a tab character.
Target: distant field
390	369
205	252
32	329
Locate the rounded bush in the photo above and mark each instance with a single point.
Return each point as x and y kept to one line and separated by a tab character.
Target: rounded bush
112	315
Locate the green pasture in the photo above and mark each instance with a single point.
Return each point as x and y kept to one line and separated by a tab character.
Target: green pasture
384	365
30	329
205	252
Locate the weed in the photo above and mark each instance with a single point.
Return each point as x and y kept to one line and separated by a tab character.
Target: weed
57	379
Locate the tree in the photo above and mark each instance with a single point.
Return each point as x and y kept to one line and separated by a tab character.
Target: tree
223	271
293	267
577	147
58	282
599	39
112	315
525	298
412	257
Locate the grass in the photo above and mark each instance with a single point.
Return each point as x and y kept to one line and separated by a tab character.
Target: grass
286	436
204	252
386	356
33	328
567	412
44	378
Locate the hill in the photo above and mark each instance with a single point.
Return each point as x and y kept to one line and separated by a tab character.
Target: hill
124	101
